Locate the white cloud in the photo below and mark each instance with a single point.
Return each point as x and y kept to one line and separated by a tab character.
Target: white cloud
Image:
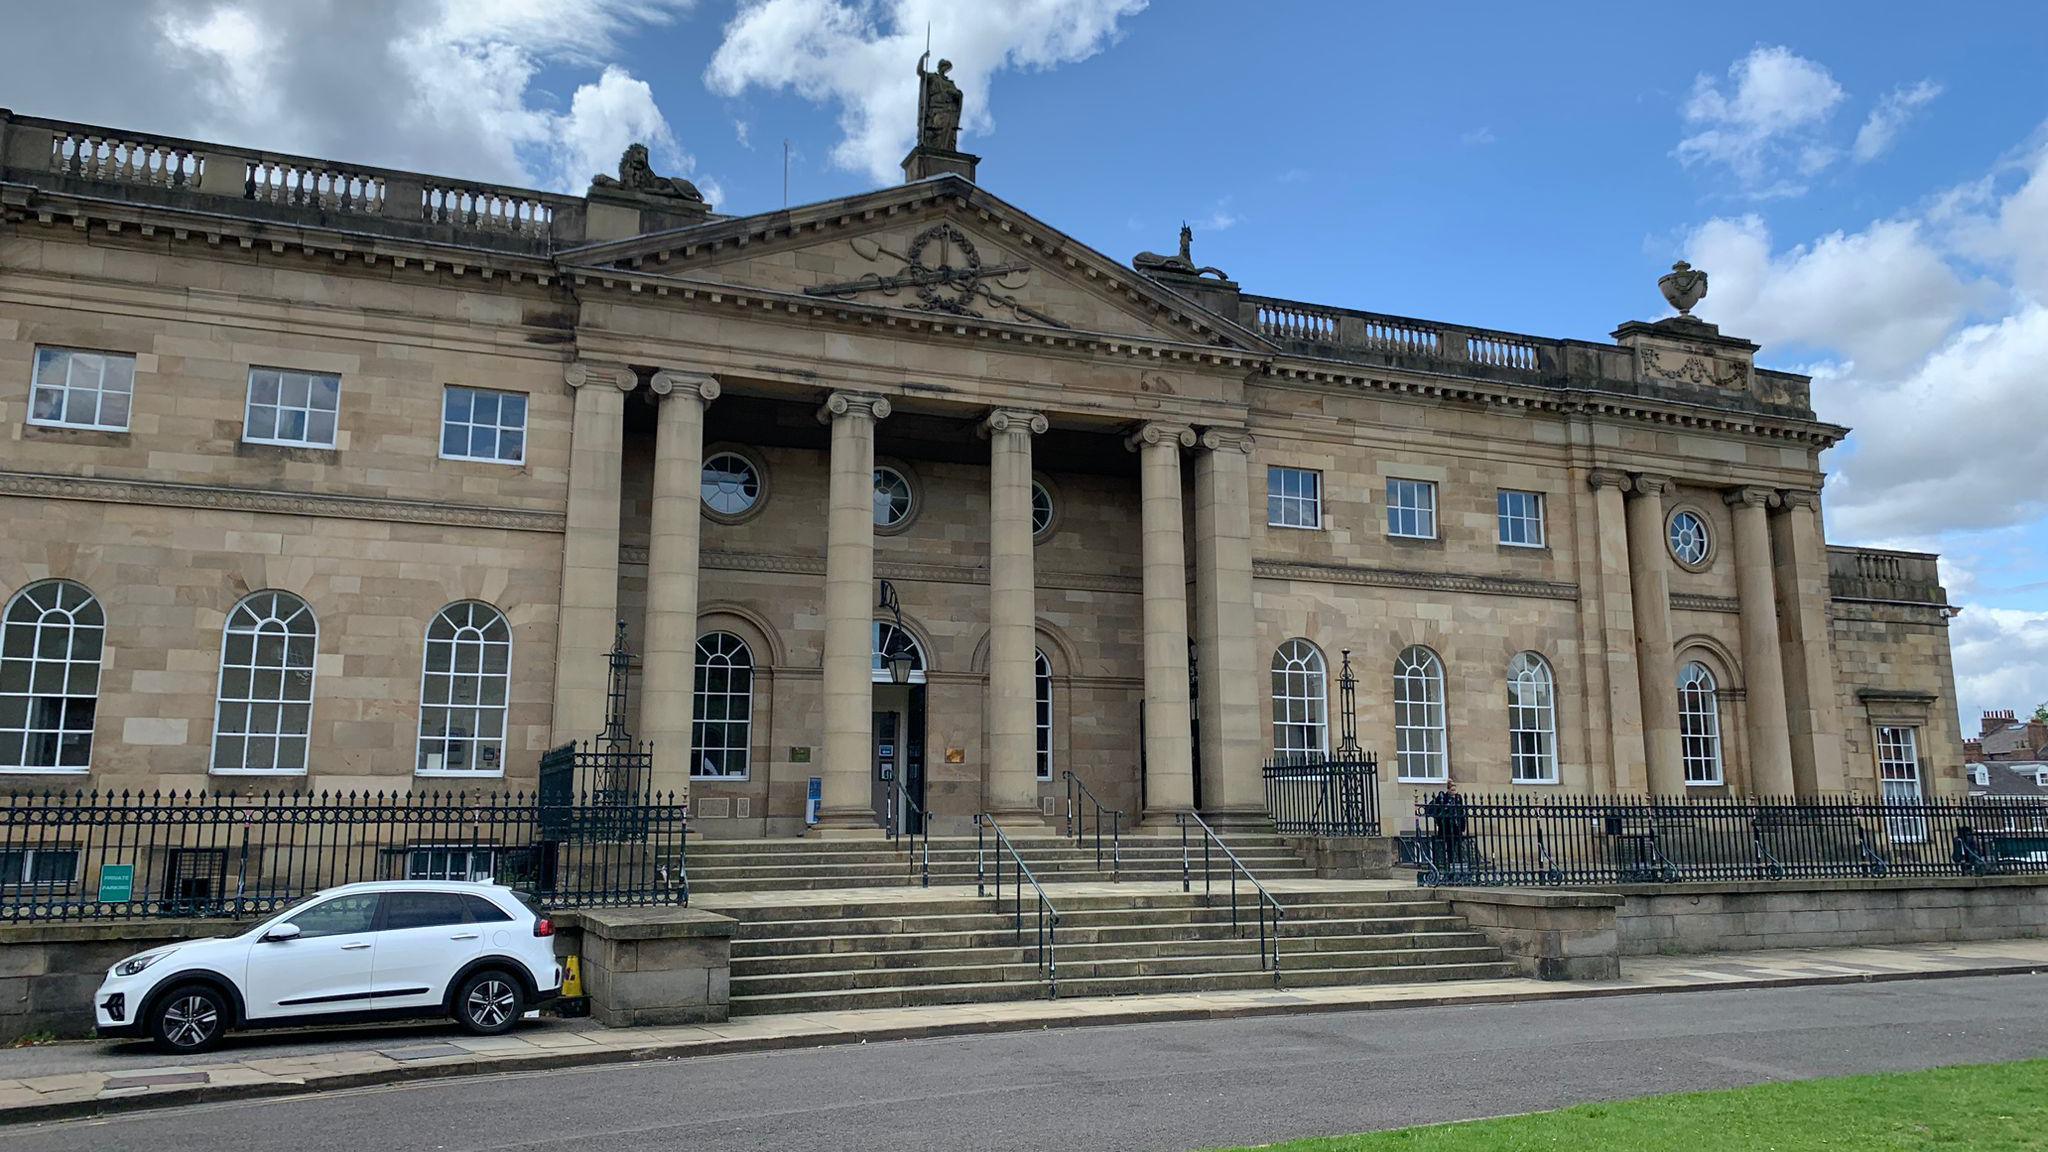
434	85
1220	218
861	55
1478	137
2001	659
1775	105
1891	114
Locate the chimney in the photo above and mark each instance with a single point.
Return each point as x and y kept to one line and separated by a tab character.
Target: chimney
1995	720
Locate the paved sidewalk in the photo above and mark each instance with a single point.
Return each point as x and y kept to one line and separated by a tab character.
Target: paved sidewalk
122	1077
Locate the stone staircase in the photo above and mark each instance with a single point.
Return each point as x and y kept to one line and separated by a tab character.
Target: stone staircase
838	924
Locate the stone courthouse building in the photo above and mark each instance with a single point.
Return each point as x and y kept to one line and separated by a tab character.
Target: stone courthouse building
322	475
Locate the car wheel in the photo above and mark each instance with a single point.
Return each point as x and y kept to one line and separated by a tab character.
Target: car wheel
489	1002
189	1018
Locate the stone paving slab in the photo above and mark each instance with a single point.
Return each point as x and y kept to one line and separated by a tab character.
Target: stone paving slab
121	1083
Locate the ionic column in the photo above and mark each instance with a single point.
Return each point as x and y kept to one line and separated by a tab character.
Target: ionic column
669	649
1770	739
849	609
1810	704
590	547
1012	616
1617	631
1228	722
1649	587
1169	762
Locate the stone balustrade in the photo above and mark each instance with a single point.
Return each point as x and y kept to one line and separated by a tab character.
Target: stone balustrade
1884	575
1397	336
1295	321
104	162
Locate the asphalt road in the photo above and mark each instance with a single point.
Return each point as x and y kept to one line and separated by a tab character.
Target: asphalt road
1149	1086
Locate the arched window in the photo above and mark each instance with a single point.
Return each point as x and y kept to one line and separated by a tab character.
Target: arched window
1699	724
1041	675
722	708
265	711
49	677
1301	703
463	690
1419	740
1532	720
883	638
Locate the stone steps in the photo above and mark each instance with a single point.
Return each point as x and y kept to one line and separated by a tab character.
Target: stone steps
1002	932
1001	948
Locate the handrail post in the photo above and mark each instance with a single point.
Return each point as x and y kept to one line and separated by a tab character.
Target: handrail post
1183	822
980	889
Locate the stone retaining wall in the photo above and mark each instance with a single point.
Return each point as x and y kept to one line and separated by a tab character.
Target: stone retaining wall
1547	935
1741	916
48	972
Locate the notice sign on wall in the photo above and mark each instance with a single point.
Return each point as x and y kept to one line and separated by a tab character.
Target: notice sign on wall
117	883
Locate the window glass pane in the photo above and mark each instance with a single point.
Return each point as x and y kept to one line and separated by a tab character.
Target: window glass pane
722	706
49	676
340	916
464	686
404	910
457	405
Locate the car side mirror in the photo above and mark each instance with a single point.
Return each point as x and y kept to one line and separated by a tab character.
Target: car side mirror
281	933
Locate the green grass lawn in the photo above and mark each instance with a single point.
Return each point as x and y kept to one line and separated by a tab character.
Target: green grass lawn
1992	1108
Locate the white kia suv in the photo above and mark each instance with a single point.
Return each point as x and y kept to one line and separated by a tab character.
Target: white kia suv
380	951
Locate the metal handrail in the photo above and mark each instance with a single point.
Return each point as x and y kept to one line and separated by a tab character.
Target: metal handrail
1048	917
921	856
1265	898
1077	825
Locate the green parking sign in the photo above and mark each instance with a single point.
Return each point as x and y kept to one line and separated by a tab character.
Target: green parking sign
117	883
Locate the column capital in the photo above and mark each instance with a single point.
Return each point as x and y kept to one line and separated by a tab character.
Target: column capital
853	404
1227	440
1600	478
1749	495
581	372
1799	498
702	385
1159	432
1649	484
1012	420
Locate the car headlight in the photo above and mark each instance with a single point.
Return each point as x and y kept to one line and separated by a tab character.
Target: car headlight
135	964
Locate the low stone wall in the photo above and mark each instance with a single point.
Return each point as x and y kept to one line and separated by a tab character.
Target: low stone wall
48	972
1547	935
1346	857
652	965
1740	916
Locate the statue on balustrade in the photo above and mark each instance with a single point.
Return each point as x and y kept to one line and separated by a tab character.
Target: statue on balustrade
939	104
637	175
1182	264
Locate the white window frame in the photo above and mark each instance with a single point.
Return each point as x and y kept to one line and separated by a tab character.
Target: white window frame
481	646
1705	534
1296	489
46	599
1421	731
1040	531
1532	720
249	699
1402	494
1041	677
1504	517
1301	702
448	393
23	878
909	498
470	854
1897	747
307	410
878	672
73	358
1699	726
718	649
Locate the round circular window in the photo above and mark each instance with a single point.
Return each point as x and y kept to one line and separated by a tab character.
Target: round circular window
892	498
732	485
1041	508
1689	540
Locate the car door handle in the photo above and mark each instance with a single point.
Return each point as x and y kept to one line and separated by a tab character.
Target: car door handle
464	936
355	947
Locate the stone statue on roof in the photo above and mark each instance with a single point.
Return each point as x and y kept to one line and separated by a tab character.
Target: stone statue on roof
1182	264
939	104
637	175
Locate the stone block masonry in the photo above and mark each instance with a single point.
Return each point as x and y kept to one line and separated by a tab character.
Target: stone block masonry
1690	918
644	966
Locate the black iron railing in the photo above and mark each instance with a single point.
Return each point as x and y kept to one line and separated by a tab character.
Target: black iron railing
906	820
1324	796
1047	917
95	855
1592	840
1269	953
1079	823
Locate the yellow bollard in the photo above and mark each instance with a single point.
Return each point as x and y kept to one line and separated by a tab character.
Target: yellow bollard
572	976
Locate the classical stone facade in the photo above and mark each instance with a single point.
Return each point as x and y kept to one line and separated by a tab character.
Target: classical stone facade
359	467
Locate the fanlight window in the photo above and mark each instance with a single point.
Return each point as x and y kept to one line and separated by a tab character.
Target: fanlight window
1699	724
265	712
463	690
1532	720
1420	743
49	677
1301	702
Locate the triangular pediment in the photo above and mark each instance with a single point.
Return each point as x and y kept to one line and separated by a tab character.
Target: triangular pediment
939	247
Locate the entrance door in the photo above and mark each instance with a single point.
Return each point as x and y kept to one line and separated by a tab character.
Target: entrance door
888	761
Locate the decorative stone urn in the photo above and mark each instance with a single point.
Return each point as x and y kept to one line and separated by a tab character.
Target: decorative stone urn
1683	287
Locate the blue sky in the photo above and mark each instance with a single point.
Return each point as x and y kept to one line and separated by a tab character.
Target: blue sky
1867	185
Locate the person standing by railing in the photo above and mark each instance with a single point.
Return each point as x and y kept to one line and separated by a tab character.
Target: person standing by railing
1446	810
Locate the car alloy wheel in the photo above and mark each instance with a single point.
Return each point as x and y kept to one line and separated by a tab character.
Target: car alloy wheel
189	1019
492	1003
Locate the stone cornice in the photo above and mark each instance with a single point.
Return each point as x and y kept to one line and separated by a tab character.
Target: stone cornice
909	570
161	493
1425	581
1692	602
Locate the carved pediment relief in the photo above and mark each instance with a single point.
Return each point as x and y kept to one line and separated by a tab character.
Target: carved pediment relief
940	270
1687	366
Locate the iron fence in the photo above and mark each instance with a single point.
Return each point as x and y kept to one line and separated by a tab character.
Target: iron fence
1593	840
1324	796
94	855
